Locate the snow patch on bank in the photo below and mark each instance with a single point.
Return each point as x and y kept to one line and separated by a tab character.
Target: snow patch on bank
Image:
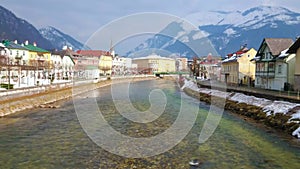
269	107
242	98
296	133
279	107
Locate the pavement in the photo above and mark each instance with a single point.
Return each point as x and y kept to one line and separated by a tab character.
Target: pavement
291	96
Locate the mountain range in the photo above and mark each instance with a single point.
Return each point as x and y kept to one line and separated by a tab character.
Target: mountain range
215	32
59	39
226	31
15	28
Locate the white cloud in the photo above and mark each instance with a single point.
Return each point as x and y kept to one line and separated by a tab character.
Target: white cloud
81	18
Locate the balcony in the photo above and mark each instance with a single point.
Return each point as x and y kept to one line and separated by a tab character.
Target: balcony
270	74
18	57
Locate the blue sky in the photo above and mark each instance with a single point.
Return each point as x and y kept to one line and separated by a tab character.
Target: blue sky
81	19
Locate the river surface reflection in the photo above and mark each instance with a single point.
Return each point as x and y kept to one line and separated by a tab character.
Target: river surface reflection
54	138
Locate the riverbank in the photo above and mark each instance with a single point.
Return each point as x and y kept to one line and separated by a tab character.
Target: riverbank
49	98
281	115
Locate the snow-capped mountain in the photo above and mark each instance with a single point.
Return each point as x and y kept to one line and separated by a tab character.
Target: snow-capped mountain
178	38
14	28
59	39
228	30
253	18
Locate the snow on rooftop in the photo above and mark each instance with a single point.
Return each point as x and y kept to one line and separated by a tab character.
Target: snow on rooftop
232	58
283	53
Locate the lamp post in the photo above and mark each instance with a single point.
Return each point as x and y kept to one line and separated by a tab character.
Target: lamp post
8	69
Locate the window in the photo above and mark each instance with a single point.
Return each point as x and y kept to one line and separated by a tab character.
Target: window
279	69
271	66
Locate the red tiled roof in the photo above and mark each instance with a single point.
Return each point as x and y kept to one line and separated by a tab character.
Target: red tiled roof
96	53
240	52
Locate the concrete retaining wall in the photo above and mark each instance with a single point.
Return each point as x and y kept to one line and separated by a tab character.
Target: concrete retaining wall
46	97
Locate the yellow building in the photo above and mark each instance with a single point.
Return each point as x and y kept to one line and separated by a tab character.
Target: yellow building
38	57
295	65
105	64
94	63
238	68
155	64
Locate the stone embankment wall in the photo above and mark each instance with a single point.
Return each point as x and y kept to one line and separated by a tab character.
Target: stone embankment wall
278	121
48	98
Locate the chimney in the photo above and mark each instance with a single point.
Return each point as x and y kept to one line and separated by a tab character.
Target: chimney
34	43
26	42
16	41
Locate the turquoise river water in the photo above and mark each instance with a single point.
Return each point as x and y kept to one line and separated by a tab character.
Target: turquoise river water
54	138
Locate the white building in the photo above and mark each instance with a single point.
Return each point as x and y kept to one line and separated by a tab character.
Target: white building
17	57
273	70
63	65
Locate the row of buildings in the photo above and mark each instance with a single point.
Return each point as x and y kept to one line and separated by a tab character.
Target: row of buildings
25	64
275	65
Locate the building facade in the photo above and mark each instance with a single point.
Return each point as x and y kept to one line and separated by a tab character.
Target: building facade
92	64
155	64
295	49
182	64
63	65
238	69
271	69
210	67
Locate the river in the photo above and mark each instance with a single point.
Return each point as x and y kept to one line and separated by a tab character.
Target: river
54	138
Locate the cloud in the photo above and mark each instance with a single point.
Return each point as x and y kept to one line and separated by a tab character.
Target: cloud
82	18
269	2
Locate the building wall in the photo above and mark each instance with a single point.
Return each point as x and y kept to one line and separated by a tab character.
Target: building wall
297	82
182	64
297	62
142	64
297	71
12	53
245	65
291	60
281	71
105	65
231	69
166	65
155	64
